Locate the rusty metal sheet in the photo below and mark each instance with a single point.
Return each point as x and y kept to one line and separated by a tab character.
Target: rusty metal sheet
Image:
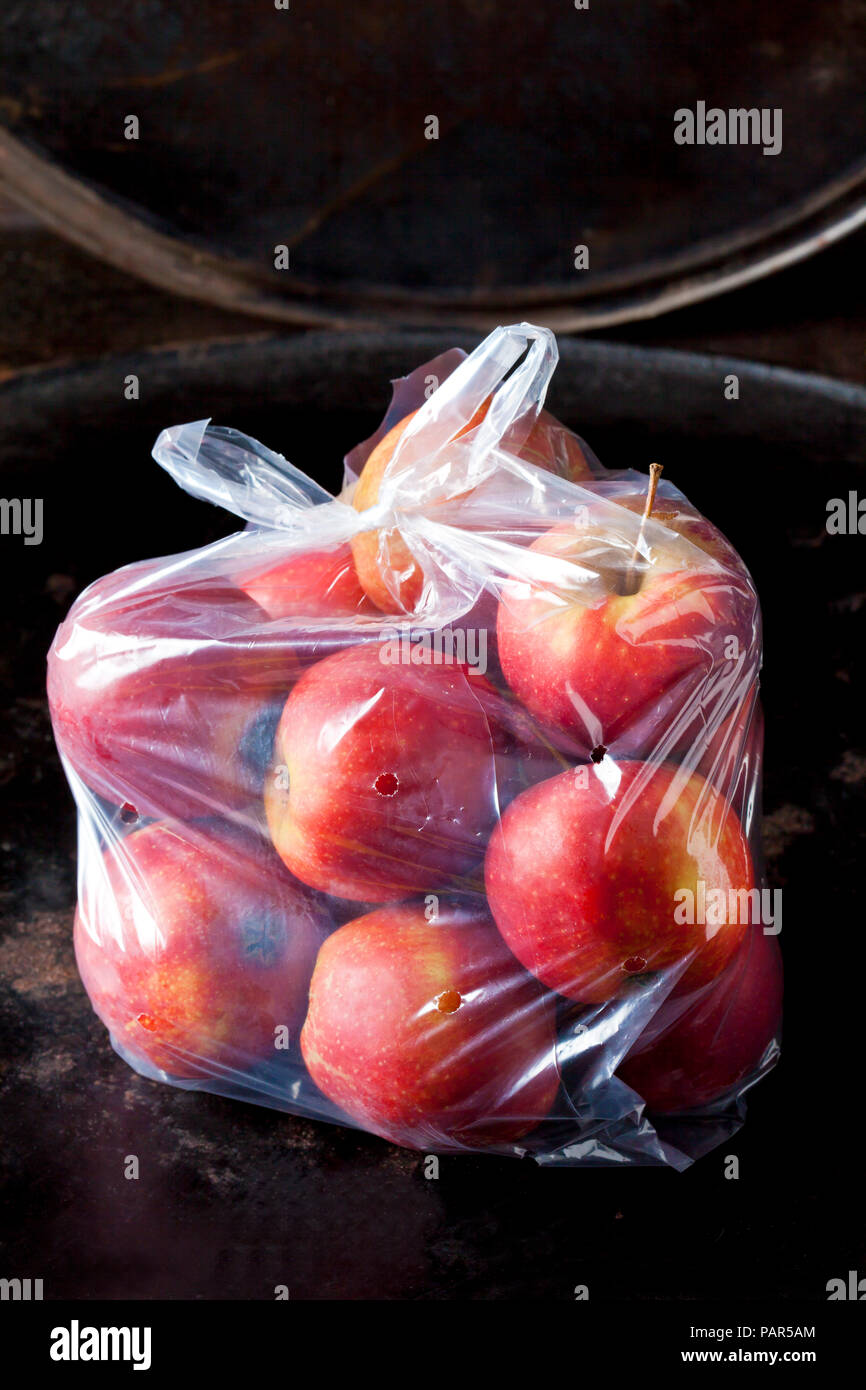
306	127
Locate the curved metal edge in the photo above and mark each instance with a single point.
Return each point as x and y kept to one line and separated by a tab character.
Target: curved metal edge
84	216
640	390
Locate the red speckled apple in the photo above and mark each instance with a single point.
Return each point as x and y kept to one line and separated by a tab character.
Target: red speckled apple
195	944
385	775
430	1031
612	654
161	695
583	871
308	584
386	568
718	1042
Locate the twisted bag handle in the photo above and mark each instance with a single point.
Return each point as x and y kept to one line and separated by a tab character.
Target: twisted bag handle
233	471
511	369
513	366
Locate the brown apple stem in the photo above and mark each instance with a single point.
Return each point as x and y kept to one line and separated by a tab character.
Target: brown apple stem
655	472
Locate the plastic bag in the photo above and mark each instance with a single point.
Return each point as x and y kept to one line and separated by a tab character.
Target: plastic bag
434	808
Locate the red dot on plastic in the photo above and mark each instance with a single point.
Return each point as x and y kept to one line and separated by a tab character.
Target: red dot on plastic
386	784
633	965
449	1001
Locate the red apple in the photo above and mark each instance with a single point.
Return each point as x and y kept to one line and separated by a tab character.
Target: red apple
429	1031
718	1042
388	572
584	871
195	945
619	655
307	585
385	775
162	694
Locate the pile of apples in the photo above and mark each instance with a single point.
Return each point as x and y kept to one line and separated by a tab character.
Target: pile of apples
418	872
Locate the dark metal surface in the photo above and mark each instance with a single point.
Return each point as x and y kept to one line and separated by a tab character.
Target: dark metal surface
306	128
233	1200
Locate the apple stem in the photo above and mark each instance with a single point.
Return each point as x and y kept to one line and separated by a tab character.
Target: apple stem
655	472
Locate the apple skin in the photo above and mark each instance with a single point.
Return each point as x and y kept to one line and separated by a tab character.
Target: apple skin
385	778
308	584
717	1043
618	670
430	1033
162	696
385	564
194	943
582	872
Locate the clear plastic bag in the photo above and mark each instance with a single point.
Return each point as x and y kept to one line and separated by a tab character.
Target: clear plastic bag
434	808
